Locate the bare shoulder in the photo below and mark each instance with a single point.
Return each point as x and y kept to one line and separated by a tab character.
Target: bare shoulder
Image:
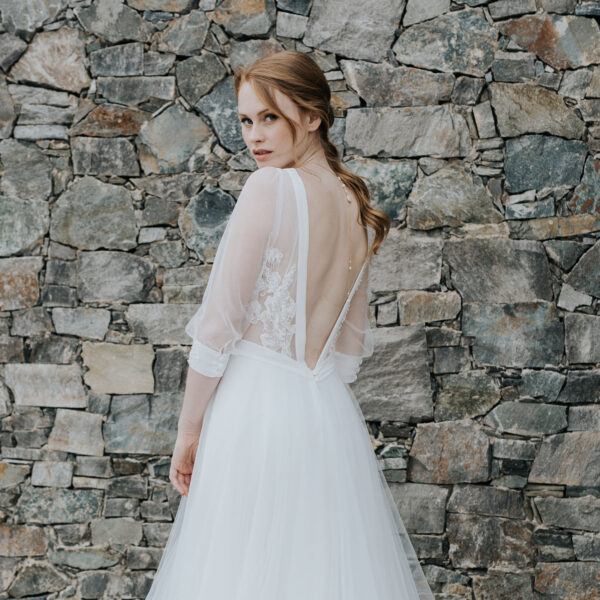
265	176
261	188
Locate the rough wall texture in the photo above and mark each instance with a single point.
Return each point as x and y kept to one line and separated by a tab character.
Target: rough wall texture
477	123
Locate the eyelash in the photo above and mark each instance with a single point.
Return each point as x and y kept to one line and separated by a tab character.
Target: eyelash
267	115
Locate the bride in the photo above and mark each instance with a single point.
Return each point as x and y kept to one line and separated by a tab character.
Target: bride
282	497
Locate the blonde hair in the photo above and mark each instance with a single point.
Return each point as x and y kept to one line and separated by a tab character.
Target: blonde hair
300	78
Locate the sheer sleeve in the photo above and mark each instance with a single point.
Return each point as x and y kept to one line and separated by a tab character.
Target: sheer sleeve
222	317
355	341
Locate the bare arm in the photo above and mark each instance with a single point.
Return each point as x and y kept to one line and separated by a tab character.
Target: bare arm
198	391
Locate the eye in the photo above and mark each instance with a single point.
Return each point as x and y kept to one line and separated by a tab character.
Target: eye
267	115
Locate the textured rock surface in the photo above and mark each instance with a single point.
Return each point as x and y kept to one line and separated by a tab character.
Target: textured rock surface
475	126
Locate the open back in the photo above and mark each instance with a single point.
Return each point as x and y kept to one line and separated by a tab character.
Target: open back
280	276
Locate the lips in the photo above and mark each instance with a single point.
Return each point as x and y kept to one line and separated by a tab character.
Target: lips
260	152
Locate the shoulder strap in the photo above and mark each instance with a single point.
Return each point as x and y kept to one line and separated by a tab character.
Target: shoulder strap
301	274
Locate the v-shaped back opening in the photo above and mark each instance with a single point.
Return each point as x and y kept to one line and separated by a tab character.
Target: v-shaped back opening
302	277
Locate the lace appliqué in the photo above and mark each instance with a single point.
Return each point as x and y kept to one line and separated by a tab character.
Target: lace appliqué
273	305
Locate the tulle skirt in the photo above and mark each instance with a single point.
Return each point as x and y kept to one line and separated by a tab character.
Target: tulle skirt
286	500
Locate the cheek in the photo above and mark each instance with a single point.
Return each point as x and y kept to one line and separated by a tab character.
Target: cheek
281	132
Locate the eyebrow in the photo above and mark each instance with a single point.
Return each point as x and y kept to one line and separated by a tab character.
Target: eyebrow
260	113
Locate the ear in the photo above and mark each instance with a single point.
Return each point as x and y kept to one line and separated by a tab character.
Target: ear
314	121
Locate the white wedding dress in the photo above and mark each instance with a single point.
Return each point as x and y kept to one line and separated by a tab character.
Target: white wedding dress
286	500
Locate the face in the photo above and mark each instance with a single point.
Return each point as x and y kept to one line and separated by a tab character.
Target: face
264	130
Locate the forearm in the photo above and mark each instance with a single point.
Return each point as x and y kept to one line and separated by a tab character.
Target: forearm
198	390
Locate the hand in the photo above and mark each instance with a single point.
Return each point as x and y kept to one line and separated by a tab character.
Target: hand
182	461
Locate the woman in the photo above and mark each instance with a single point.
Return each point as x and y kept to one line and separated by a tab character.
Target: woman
282	496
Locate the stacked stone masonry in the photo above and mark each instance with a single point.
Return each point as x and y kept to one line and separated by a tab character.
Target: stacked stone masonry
477	124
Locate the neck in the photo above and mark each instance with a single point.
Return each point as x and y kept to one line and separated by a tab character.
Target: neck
313	160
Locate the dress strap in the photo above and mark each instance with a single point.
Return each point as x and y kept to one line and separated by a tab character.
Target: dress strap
301	274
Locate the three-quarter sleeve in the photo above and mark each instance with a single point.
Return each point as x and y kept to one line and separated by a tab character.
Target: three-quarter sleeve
222	317
355	341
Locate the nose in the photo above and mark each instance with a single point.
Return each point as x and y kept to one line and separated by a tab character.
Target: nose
255	133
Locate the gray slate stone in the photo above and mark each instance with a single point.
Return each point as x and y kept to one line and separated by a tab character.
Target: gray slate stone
581	387
115	368
175	6
585	276
541	384
11	48
108	156
486	500
395	385
513	66
111	276
439	131
451	196
185	35
77	431
58	505
537	161
20	281
514	335
582	339
528	418
419	10
160	151
499	270
572	580
23	224
565	253
531	210
52	473
240	19
479	541
220	108
407	261
466	394
449	452
197	75
204	219
111	532
406	86
138	424
562	41
82	322
344	27
37	13
114	21
160	323
389	181
529	108
92	214
570	513
459	41
587	546
585	196
34	579
55	58
46	385
513	449
502	585
125	59
133	90
571	458
27	171
422	506
584	418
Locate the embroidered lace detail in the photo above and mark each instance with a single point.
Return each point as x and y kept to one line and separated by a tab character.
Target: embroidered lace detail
273	305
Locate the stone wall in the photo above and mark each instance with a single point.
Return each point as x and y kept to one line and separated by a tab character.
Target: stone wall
477	124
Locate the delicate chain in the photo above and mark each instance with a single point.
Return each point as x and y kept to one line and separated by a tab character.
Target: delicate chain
349	201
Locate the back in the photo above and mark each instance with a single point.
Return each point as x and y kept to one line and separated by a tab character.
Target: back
280	276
